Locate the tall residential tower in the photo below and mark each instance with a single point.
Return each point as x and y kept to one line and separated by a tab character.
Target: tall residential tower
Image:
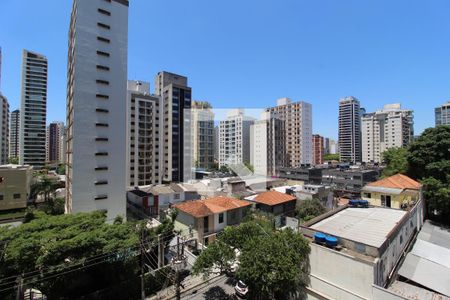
96	107
298	130
33	109
14	132
54	133
349	130
442	114
4	130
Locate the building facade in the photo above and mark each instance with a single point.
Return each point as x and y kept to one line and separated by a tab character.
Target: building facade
96	107
349	130
4	130
14	186
234	138
202	122
318	149
53	144
143	135
267	145
14	133
387	128
176	98
442	114
33	109
297	117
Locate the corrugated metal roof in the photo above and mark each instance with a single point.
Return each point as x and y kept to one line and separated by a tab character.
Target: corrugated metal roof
410	291
428	263
369	226
426	273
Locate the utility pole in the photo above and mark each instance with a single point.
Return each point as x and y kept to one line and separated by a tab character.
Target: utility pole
142	244
178	263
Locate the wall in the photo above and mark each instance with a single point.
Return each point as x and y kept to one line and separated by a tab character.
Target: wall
338	275
396	200
220	226
15	181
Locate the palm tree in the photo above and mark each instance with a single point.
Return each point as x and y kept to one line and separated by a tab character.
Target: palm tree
44	186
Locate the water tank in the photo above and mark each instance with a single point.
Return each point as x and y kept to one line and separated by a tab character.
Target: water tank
353	202
331	241
364	203
319	237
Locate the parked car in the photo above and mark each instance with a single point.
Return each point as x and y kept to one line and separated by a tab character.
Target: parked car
241	289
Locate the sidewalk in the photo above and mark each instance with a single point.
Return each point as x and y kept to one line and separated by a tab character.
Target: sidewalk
190	283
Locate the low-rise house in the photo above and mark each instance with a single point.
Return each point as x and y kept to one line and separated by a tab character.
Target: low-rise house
205	218
276	203
398	191
354	250
142	203
168	195
15	182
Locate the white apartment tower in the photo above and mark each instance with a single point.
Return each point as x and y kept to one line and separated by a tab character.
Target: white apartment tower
234	138
297	117
442	114
267	145
96	107
143	135
4	130
14	132
387	128
33	109
202	121
349	130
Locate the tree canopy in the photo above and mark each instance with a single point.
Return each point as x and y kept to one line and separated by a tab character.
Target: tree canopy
70	256
274	264
396	160
330	156
309	209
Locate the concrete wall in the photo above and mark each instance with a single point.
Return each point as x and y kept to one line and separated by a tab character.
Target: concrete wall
396	200
338	275
15	182
219	226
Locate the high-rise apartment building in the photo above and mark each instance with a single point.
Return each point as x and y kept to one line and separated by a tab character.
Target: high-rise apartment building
96	107
176	142
267	145
298	129
4	130
349	130
234	138
143	135
318	149
63	147
53	145
442	114
14	132
202	122
33	109
387	128
216	143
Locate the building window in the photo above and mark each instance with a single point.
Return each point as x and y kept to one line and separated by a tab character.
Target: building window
101	197
101	53
101	139
1	197
177	196
102	96
104	68
367	195
101	110
101	168
220	218
101	124
16	196
99	81
102	39
104	12
103	26
101	154
101	182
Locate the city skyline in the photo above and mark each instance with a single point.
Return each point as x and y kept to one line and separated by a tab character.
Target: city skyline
295	63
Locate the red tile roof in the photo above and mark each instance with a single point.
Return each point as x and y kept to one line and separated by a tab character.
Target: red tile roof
210	206
273	198
398	181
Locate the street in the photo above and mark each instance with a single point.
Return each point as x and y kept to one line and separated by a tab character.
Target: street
222	289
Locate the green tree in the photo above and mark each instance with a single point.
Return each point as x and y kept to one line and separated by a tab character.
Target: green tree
75	256
309	209
396	160
13	160
45	187
328	157
274	264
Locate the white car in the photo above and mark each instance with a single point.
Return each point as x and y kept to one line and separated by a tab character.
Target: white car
241	289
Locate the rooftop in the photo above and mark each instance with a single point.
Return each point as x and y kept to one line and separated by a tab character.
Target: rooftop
369	226
397	181
210	206
429	256
273	198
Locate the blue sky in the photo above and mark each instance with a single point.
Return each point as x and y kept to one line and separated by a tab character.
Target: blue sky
249	53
